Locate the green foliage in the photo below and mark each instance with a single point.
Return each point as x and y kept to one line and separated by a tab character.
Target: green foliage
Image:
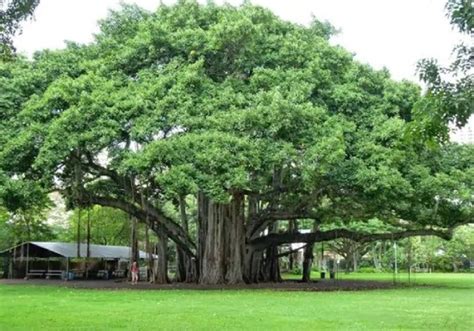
368	270
23	226
441	255
461	14
107	226
220	99
449	96
297	271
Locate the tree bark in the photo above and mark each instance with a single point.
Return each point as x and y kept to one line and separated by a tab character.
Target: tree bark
182	260
318	236
253	265
234	240
307	262
252	258
221	240
355	261
292	227
149	253
134	240
211	221
156	219
78	253
271	266
161	274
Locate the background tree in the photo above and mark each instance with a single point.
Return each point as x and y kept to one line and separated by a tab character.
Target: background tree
21	227
107	227
449	97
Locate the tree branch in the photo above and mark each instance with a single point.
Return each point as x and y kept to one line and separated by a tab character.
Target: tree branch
318	236
292	251
173	230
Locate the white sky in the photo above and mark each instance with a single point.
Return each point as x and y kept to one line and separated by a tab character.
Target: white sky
390	33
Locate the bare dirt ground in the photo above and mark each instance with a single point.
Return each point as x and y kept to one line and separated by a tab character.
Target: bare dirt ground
288	285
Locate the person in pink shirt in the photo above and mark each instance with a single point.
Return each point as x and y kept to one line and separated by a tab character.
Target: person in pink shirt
134	269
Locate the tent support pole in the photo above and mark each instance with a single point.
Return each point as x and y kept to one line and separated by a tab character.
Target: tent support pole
10	268
27	259
67	268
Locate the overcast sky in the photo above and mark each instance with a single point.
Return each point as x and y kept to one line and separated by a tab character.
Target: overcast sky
390	33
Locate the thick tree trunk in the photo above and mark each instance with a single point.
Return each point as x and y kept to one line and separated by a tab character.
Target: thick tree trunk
348	263
221	240
192	272
185	267
180	265
252	258
211	221
292	258
271	266
253	265
161	273
307	262
235	240
182	260
355	261
375	258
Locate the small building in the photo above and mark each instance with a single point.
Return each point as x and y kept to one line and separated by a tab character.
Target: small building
67	260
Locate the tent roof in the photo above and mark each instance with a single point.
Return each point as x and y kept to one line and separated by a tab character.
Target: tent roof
70	250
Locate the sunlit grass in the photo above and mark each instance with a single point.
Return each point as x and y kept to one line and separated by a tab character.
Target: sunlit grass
449	305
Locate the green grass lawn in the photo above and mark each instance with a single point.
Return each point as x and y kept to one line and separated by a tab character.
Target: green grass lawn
460	280
448	305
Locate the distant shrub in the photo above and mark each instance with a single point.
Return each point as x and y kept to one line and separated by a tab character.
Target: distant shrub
297	271
368	270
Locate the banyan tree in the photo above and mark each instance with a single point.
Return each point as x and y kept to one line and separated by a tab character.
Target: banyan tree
220	126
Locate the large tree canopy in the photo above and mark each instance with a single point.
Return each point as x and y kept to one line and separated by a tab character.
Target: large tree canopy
258	121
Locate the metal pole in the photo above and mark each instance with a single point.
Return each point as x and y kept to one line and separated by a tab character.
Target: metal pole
67	268
27	259
10	267
14	263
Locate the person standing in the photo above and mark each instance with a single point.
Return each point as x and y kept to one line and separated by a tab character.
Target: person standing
134	269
